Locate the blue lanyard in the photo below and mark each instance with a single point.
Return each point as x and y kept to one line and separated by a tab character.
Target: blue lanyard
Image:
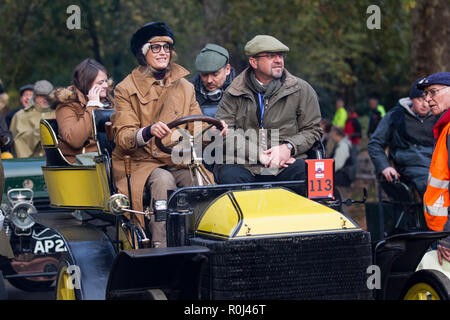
261	107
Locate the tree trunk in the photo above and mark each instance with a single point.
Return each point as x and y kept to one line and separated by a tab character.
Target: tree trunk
218	30
92	29
214	10
430	43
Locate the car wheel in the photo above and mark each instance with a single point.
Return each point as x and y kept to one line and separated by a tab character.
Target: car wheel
427	285
65	284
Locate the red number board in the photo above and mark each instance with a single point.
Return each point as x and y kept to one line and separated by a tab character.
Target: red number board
320	178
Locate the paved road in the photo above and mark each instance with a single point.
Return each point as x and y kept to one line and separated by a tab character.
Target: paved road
16	294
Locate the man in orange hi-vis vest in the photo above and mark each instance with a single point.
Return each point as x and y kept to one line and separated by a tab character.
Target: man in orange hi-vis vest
436	199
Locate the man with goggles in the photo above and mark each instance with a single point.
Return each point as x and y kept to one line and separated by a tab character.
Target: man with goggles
214	75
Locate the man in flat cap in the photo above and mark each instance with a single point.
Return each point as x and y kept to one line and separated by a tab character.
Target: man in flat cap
281	108
25	123
214	75
26	96
436	92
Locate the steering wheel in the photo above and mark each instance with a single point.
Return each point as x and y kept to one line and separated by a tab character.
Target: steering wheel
188	119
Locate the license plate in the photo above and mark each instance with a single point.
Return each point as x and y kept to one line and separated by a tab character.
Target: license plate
46	241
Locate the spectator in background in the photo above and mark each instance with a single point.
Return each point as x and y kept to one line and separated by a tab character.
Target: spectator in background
353	127
340	117
25	123
26	95
3	99
378	112
408	131
328	145
343	161
6	140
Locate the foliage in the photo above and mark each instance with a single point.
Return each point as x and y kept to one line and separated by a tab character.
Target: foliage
331	47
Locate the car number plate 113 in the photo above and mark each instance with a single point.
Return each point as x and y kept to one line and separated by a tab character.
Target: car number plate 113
320	178
46	241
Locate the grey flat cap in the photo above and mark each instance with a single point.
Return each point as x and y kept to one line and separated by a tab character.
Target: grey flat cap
264	43
211	58
43	88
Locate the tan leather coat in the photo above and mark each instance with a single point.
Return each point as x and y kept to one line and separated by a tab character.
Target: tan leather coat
75	132
139	102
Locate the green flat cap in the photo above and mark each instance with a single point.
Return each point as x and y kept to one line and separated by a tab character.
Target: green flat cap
264	43
211	58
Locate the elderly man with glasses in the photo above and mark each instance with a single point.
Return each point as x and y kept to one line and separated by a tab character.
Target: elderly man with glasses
274	112
436	199
408	131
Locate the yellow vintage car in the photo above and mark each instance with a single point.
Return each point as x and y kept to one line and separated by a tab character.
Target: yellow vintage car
237	241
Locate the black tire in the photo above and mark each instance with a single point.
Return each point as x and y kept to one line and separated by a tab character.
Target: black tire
3	291
434	279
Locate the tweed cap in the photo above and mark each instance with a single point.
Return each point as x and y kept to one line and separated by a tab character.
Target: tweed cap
43	88
211	58
264	43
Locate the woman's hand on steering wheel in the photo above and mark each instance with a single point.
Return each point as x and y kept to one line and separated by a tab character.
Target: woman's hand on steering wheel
160	130
218	124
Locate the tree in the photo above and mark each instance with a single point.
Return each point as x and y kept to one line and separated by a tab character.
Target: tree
431	34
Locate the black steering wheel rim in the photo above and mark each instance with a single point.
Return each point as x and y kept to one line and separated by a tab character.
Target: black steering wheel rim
183	120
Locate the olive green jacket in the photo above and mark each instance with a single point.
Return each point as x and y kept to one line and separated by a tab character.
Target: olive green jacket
26	132
293	110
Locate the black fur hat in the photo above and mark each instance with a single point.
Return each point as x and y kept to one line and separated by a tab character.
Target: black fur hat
144	34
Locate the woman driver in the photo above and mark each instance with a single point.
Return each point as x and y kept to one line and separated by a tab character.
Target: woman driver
154	94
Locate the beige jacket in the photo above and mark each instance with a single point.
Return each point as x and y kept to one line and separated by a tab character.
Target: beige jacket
25	130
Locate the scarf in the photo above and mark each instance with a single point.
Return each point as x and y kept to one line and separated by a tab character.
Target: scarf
442	122
269	89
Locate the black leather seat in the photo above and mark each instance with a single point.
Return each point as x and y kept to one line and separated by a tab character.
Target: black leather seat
100	117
